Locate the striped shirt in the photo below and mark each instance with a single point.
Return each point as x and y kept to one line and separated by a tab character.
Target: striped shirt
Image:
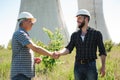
87	49
22	57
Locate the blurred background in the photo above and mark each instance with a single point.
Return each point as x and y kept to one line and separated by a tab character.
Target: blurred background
10	9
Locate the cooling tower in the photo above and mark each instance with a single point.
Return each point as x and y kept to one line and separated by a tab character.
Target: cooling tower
48	14
95	7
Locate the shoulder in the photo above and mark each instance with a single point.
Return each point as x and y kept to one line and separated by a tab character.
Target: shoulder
75	33
94	30
19	32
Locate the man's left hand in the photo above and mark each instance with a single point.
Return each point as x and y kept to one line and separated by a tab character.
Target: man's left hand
37	60
102	71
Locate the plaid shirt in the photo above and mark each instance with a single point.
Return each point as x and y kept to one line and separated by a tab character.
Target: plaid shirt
22	57
87	49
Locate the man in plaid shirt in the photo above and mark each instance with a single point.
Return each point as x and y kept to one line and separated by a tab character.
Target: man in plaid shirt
22	56
86	40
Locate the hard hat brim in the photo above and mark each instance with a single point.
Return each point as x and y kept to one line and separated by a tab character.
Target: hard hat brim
33	19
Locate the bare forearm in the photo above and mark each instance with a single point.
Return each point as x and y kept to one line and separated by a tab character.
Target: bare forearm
64	51
103	60
39	49
43	51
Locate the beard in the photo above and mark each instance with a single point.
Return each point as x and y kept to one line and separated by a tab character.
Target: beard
82	24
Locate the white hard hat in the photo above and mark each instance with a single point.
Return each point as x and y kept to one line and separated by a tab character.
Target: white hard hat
26	15
83	12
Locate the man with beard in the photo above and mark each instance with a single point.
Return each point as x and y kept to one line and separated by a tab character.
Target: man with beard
86	40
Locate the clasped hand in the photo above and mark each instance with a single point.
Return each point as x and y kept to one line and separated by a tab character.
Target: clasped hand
55	55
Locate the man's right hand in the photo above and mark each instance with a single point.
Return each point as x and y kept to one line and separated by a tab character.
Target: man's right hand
56	55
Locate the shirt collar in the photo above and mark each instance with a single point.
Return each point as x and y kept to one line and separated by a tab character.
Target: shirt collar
20	28
88	29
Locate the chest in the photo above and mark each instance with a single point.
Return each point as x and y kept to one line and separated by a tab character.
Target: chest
87	40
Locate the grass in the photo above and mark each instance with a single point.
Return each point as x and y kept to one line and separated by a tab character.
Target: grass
64	70
112	65
5	62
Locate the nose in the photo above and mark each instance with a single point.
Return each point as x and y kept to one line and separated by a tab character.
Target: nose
79	21
32	23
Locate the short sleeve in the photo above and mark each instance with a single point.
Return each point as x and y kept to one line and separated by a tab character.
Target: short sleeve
23	38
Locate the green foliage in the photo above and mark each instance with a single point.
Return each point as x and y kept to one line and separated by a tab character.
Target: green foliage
118	44
112	65
5	62
55	44
64	71
70	75
56	40
108	45
1	47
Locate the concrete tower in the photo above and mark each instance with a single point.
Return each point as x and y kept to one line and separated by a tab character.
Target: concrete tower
48	14
95	7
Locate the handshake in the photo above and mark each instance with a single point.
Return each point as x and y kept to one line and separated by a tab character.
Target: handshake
55	55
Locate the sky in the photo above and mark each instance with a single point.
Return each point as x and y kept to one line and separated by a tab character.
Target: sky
10	9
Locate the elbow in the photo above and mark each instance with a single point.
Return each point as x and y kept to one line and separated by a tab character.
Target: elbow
68	51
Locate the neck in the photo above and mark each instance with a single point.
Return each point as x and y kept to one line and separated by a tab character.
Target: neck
84	29
23	28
